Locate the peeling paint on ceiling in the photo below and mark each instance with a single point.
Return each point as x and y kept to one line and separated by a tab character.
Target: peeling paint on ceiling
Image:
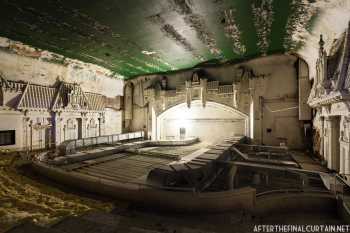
263	17
139	37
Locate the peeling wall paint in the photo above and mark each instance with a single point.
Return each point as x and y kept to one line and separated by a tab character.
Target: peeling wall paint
22	62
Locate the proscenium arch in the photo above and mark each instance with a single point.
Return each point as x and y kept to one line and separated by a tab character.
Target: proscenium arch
229	112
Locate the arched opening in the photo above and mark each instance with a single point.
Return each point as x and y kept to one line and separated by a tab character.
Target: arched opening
210	123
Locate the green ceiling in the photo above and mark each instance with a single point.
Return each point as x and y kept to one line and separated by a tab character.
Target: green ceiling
134	37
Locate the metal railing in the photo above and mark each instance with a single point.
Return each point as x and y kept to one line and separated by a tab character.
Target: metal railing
70	146
290	191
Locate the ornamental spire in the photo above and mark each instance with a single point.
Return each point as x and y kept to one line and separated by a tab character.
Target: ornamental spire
321	44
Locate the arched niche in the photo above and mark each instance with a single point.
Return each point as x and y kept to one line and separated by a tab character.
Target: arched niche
210	123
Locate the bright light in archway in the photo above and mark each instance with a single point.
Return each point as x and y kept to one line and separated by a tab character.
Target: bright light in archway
211	123
183	117
251	118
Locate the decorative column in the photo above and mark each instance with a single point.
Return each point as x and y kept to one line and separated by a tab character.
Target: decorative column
346	160
251	111
188	93
345	147
321	149
235	92
163	99
128	105
84	122
332	137
30	145
26	133
59	134
203	94
102	125
327	144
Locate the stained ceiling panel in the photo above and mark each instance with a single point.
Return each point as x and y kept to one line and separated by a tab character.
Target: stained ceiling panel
137	37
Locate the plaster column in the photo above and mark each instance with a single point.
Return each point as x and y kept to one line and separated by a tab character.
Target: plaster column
84	122
30	131
321	149
149	122
343	145
255	107
203	94
128	106
333	129
102	122
341	160
326	141
154	125
188	93
56	129
346	160
163	99
251	115
26	134
235	92
345	148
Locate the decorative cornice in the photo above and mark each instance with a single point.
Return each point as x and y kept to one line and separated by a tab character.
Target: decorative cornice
330	98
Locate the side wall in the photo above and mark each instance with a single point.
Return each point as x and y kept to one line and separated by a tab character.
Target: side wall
20	62
113	124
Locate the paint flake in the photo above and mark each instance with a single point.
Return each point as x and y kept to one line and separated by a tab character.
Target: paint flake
232	31
296	29
263	16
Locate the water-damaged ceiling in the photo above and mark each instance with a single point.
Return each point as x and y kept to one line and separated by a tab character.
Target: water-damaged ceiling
135	37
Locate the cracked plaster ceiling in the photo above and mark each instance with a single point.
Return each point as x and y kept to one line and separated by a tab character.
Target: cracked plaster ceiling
137	37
